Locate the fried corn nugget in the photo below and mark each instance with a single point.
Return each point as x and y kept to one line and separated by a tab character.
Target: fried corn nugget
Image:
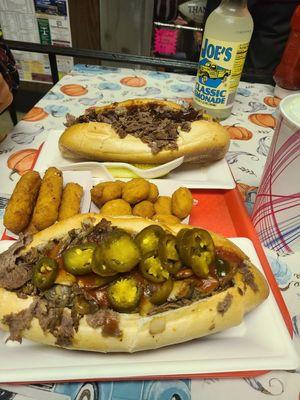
182	202
163	205
70	201
121	183
153	193
166	218
45	212
136	190
144	209
106	191
20	206
116	207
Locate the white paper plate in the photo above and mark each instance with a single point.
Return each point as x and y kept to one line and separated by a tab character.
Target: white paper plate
260	343
214	176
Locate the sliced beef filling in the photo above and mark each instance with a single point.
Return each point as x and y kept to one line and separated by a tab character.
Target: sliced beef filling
224	305
153	124
18	322
14	272
106	319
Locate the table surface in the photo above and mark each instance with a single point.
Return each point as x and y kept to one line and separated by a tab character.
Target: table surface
93	85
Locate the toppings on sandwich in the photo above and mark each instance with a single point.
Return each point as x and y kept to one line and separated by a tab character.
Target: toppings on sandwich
154	124
114	271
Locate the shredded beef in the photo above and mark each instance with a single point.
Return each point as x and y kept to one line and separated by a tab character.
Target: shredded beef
49	317
30	257
75	318
171	306
18	322
70	120
106	319
153	124
100	231
224	305
27	290
65	330
13	273
248	277
56	320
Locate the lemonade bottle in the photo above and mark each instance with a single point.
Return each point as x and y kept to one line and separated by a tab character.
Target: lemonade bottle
226	38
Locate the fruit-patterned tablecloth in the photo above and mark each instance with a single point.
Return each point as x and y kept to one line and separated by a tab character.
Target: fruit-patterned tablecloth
250	126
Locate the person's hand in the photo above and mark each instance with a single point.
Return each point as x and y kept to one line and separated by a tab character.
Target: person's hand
6	96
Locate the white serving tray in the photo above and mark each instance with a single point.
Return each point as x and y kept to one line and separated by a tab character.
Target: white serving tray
214	176
260	343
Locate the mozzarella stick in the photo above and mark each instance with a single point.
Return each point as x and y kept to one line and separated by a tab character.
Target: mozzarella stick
19	208
45	212
70	203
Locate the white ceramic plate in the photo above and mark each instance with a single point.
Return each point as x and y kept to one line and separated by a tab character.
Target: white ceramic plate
214	176
260	343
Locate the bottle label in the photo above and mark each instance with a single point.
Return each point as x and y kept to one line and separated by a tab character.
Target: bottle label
219	71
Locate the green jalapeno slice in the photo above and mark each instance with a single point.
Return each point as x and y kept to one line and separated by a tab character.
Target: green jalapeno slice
197	250
78	259
148	239
153	269
98	265
45	273
120	253
168	253
179	243
162	292
124	294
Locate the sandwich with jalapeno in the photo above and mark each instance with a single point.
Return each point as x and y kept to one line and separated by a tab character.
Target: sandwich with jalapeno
124	284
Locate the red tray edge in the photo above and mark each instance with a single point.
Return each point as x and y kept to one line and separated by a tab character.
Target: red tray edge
264	261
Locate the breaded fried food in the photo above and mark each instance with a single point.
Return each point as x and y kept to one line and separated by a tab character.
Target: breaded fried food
30	229
166	218
19	208
116	207
106	191
153	193
45	212
136	190
144	209
121	183
182	202
70	202
163	205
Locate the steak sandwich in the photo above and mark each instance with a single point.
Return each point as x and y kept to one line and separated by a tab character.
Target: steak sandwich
144	131
124	284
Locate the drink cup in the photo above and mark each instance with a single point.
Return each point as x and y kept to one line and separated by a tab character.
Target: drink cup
276	212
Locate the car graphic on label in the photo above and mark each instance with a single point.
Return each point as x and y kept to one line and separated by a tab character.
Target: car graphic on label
208	70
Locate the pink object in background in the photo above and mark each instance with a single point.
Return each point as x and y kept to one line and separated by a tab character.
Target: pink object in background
165	41
276	213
